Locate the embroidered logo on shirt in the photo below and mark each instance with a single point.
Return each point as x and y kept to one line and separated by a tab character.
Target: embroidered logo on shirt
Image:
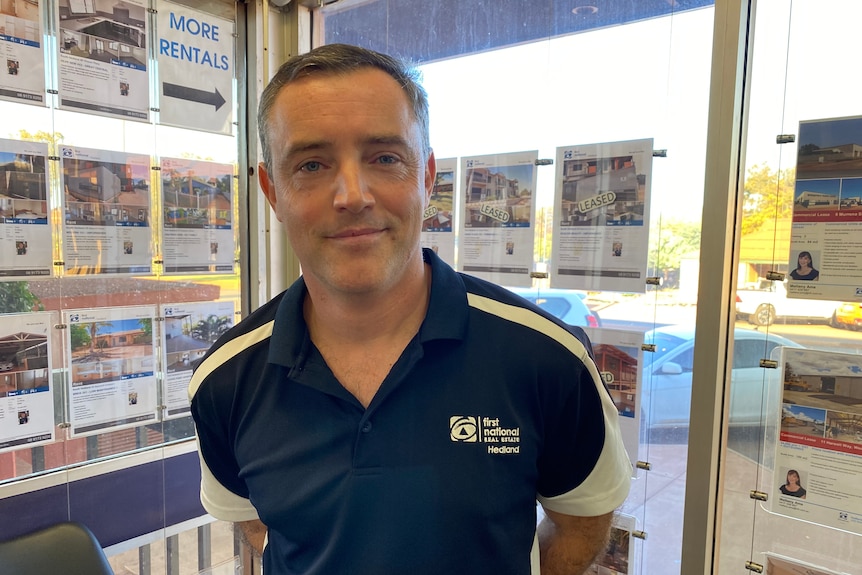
477	429
463	428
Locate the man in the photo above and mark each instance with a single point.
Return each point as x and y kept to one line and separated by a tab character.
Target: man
368	420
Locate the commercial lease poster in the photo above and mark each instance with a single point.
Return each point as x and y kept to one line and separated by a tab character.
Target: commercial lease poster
818	463
25	236
112	376
189	329
826	236
601	216
106	227
496	212
26	396
198	201
103	58
619	359
438	225
196	69
21	53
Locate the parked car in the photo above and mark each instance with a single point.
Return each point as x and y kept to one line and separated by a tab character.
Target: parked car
848	315
667	375
766	302
568	305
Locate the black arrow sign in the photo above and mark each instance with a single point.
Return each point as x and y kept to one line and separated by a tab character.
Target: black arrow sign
193	94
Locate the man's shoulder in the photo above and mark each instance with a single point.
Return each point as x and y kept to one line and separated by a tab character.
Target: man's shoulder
521	314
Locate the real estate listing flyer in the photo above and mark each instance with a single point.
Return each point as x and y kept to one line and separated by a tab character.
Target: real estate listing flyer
107	212
198	213
103	58
826	237
26	393
601	216
780	565
25	235
619	359
112	377
189	330
818	462
496	211
438	224
22	53
618	557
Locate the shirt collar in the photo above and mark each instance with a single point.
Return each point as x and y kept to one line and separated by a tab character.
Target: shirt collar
446	317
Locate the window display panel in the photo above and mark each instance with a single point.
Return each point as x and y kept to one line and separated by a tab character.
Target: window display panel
796	468
84	372
83	210
643	84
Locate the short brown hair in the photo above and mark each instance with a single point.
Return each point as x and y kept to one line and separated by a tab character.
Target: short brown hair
342	59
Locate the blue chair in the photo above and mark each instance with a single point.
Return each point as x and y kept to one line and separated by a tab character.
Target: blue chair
67	548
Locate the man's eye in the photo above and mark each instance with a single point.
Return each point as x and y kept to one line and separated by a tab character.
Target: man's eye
387	159
311	167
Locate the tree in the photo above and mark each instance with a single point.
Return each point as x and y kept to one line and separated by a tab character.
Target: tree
767	196
16	297
53	139
544	233
211	328
806	149
93	333
670	240
79	335
146	325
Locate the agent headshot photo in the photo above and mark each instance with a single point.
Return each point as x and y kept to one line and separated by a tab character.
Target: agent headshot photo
792	485
805	268
364	420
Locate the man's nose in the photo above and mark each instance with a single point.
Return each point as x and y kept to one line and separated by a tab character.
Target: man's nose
352	192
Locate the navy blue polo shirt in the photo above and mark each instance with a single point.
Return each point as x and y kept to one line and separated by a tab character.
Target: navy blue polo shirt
492	405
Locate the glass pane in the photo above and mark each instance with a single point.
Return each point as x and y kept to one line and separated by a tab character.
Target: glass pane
560	78
793	429
100	325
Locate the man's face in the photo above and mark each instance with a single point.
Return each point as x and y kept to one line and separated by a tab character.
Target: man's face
348	179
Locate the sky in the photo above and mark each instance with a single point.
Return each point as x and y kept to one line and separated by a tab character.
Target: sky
814	362
831	133
805	413
118	325
830	186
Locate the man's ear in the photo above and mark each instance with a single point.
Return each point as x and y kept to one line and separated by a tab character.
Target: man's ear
430	176
267	185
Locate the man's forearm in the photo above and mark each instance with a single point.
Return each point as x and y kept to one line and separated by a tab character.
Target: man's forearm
253	534
570	547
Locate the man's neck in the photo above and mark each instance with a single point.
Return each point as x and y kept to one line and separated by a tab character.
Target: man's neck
366	318
362	336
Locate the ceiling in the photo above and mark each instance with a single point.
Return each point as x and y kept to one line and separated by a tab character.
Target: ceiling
423	30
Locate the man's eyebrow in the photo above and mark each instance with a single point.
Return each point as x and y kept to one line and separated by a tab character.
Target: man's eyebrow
410	153
313	145
392	140
307	146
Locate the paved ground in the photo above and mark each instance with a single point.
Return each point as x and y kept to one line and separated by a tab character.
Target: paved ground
223	560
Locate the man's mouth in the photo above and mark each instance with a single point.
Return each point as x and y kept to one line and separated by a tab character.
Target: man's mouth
355	233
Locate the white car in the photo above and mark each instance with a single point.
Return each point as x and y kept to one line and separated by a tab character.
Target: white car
766	303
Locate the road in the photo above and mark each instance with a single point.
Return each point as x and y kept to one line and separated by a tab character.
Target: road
642	314
821	337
